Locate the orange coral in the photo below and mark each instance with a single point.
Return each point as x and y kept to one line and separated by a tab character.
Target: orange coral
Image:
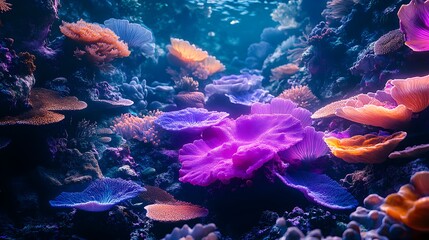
43	102
301	95
173	212
368	148
283	71
5	6
330	109
133	127
101	44
410	204
370	111
211	65
411	92
186	51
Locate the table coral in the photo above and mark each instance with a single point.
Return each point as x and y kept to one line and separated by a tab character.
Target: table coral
367	148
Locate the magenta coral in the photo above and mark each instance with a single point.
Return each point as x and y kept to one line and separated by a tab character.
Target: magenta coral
414	21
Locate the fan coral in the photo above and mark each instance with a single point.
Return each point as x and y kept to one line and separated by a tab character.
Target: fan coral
43	102
236	149
368	148
413	19
411	204
135	35
310	148
368	110
203	232
102	45
190	119
330	109
411	92
133	127
410	152
301	95
283	71
99	196
186	51
389	42
5	6
211	65
175	211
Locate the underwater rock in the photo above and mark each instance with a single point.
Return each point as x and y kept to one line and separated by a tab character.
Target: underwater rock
199	231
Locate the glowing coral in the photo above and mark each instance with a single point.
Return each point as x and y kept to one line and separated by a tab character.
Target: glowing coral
5	6
173	212
99	196
367	148
186	51
411	204
101	45
413	19
411	92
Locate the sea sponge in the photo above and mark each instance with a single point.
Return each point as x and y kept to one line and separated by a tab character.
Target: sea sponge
186	51
389	42
368	110
411	92
367	148
410	204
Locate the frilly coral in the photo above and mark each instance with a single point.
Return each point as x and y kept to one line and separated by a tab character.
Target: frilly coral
186	51
411	92
411	204
413	19
300	95
102	45
133	127
99	196
368	148
236	149
190	119
368	110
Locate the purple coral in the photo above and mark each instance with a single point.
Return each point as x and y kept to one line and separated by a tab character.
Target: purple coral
236	149
319	188
234	83
99	196
414	21
190	119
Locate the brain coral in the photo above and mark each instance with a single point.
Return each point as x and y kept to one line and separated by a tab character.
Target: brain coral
411	204
368	148
99	196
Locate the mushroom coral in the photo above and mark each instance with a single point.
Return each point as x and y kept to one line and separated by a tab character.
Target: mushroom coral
368	110
99	196
411	92
414	22
367	148
410	204
185	51
44	102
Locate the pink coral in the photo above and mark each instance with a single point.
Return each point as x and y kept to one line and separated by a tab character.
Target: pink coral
411	92
133	127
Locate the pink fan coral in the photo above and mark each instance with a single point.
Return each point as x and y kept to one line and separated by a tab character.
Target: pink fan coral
368	148
101	45
411	92
414	19
368	110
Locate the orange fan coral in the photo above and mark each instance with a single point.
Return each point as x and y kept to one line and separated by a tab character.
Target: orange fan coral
101	44
330	109
211	65
368	148
173	212
370	111
5	6
186	51
410	204
411	92
300	95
